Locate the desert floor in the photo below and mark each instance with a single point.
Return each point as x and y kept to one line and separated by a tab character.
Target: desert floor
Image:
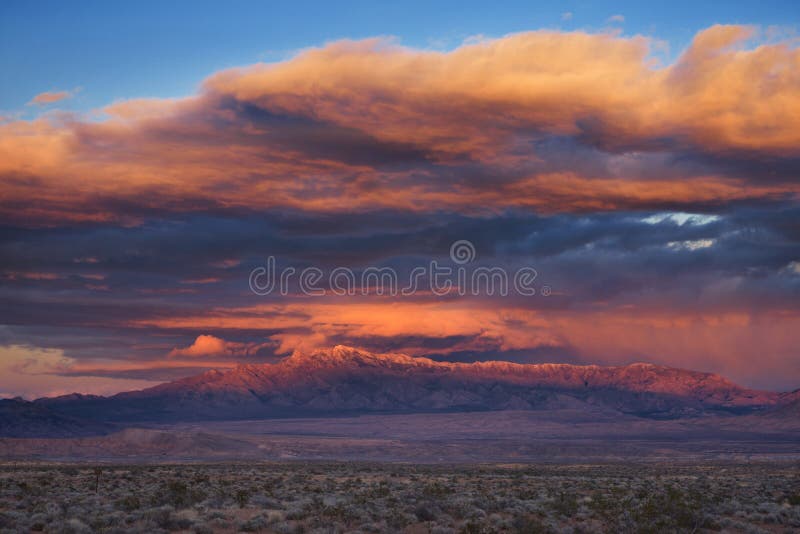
400	497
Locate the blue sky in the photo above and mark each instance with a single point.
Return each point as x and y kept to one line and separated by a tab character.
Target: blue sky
106	51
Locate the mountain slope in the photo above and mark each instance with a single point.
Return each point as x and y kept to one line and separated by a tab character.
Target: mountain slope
788	407
345	380
23	419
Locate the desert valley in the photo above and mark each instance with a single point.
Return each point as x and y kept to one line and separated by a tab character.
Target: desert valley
346	440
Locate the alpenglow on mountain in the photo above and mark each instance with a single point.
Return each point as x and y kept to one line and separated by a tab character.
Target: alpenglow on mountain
344	380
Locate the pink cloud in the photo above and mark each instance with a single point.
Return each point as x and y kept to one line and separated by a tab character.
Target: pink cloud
210	346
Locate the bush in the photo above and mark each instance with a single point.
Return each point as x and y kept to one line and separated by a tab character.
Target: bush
425	513
129	503
177	494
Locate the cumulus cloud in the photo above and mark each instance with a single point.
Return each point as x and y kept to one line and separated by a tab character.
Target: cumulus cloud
480	95
206	345
360	125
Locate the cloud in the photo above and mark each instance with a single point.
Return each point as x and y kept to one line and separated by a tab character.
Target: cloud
204	345
207	345
50	97
716	341
567	15
616	19
660	202
793	268
363	125
629	286
31	372
694	244
480	95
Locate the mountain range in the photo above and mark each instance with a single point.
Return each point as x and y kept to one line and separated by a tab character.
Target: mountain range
347	381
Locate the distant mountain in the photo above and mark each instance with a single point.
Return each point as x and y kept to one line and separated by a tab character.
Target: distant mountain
23	419
344	380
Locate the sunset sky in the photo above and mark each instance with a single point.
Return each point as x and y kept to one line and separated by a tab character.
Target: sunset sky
644	160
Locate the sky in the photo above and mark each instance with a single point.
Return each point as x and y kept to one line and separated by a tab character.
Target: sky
643	160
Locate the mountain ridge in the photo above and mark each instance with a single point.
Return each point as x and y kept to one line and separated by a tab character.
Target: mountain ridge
346	380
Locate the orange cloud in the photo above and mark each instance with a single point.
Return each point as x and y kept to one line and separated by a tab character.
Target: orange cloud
370	124
204	345
50	97
474	97
714	340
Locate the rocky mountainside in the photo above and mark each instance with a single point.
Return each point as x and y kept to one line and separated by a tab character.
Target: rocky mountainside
344	380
